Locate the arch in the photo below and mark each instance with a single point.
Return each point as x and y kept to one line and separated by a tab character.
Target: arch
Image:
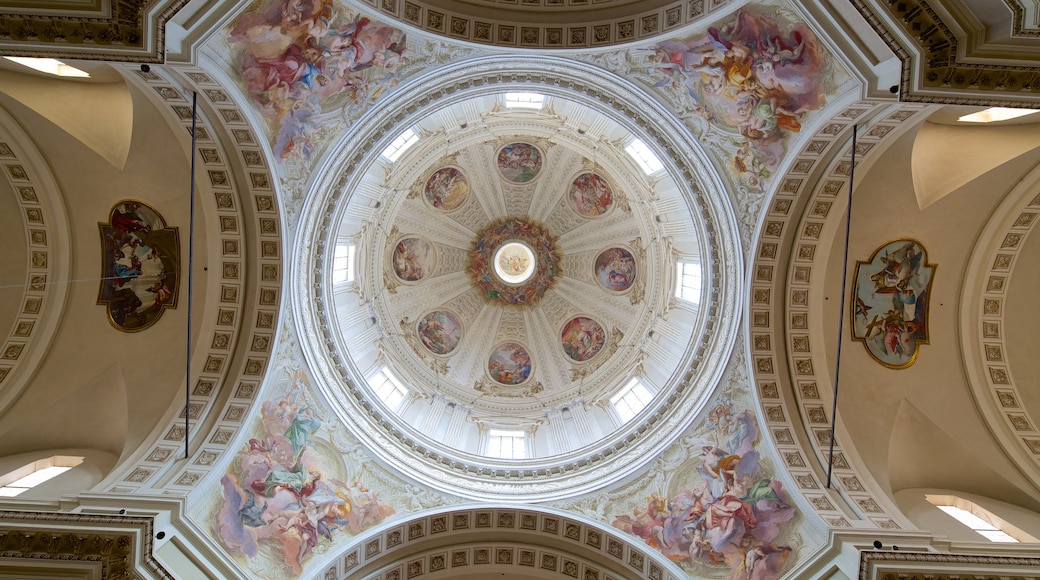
498	538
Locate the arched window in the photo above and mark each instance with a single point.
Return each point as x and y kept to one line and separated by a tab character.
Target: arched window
29	476
979	519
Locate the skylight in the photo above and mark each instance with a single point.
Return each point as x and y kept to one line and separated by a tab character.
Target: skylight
688	281
977	524
644	157
524	100
49	66
630	400
506	444
343	264
401	144
388	389
994	114
33	474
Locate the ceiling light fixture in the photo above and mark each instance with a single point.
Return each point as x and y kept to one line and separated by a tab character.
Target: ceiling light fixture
49	66
995	114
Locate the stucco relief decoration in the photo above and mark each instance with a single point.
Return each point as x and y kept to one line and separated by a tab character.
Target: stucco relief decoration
753	77
615	269
519	162
497	287
892	297
591	195
289	492
446	189
140	266
582	338
723	511
440	331
305	61
509	364
413	259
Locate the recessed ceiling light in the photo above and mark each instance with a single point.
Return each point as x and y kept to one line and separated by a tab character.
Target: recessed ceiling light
49	66
994	114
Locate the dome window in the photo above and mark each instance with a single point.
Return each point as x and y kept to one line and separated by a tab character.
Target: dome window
979	520
643	157
524	101
629	401
505	444
388	389
398	146
688	280
343	263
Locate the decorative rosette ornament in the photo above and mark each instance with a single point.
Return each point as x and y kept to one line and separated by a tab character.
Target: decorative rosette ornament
514	261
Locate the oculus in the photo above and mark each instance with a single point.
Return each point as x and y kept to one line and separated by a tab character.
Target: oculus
514	261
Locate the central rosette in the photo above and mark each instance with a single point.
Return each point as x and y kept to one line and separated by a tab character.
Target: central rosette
514	261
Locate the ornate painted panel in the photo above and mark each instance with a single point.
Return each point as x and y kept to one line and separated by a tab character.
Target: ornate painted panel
892	293
140	266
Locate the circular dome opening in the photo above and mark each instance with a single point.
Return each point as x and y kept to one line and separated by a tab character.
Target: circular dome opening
514	263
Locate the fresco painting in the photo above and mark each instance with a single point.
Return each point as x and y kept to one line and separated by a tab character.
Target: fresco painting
440	331
582	338
519	162
413	259
891	300
500	233
509	363
301	60
446	189
287	491
754	77
140	266
616	269
590	195
726	513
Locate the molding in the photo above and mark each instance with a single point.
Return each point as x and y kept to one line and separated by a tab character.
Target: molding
132	31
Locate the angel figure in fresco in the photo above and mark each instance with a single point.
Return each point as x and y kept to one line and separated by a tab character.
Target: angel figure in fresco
755	76
732	517
295	51
279	497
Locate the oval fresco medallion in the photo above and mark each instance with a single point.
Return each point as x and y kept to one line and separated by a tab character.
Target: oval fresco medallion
519	162
446	189
590	195
440	331
616	269
413	259
509	363
582	338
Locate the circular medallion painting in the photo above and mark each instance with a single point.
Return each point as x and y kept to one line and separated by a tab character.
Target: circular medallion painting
582	338
591	195
509	363
440	331
514	261
446	189
616	269
519	162
413	259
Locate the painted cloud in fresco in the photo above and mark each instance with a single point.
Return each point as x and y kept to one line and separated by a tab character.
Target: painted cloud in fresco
286	492
300	59
755	77
724	511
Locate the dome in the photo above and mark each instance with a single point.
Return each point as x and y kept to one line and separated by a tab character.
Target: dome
535	292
